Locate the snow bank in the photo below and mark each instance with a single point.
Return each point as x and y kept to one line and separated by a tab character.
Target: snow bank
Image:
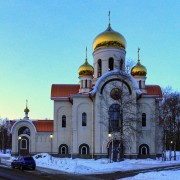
91	166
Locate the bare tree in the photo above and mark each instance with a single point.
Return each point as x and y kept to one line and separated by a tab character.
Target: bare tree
170	113
5	136
120	118
129	65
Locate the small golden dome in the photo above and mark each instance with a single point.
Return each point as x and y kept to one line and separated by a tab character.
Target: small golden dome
86	69
138	70
26	110
109	38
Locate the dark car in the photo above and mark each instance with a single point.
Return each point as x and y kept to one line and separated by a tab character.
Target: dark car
23	162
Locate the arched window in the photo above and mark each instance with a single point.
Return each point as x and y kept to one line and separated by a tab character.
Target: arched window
24	130
63	149
86	83
99	67
84	119
84	149
114	117
140	84
23	144
144	119
144	149
121	64
63	121
111	64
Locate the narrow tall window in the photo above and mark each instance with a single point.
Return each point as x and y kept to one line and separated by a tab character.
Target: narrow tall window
144	119
114	117
111	64
121	64
84	119
99	67
140	84
63	121
86	83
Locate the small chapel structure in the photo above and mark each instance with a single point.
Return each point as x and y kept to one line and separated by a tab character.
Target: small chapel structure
109	113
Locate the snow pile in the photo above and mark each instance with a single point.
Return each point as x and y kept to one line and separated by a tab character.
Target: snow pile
91	166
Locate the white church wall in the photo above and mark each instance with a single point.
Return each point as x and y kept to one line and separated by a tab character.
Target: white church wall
43	143
148	133
62	135
82	134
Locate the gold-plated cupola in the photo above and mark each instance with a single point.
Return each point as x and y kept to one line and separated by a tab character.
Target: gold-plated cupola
86	69
138	69
109	38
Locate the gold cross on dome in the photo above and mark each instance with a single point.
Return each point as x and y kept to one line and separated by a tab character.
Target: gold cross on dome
138	53
109	17
26	102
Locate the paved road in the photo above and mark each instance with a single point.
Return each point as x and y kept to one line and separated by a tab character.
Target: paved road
124	174
7	173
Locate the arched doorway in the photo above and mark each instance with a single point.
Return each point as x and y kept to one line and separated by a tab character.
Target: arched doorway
23	146
23	141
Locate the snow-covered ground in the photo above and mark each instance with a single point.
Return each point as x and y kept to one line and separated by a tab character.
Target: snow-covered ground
91	166
161	175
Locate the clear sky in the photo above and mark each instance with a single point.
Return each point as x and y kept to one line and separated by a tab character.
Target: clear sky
42	42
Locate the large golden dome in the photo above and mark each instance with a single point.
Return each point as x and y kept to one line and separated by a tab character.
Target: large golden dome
86	69
109	38
138	70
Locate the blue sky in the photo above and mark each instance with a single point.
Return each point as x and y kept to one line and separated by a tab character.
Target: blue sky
42	42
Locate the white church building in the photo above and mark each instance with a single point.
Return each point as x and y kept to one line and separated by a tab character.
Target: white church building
109	113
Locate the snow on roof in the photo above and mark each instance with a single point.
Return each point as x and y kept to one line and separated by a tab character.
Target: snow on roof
115	72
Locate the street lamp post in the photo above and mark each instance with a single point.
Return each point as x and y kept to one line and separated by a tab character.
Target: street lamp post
51	137
19	142
112	146
109	136
171	149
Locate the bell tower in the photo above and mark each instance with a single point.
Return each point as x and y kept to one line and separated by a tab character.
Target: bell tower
86	72
139	73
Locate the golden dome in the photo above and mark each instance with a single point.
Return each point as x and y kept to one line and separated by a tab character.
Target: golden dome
26	110
138	70
109	38
86	69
